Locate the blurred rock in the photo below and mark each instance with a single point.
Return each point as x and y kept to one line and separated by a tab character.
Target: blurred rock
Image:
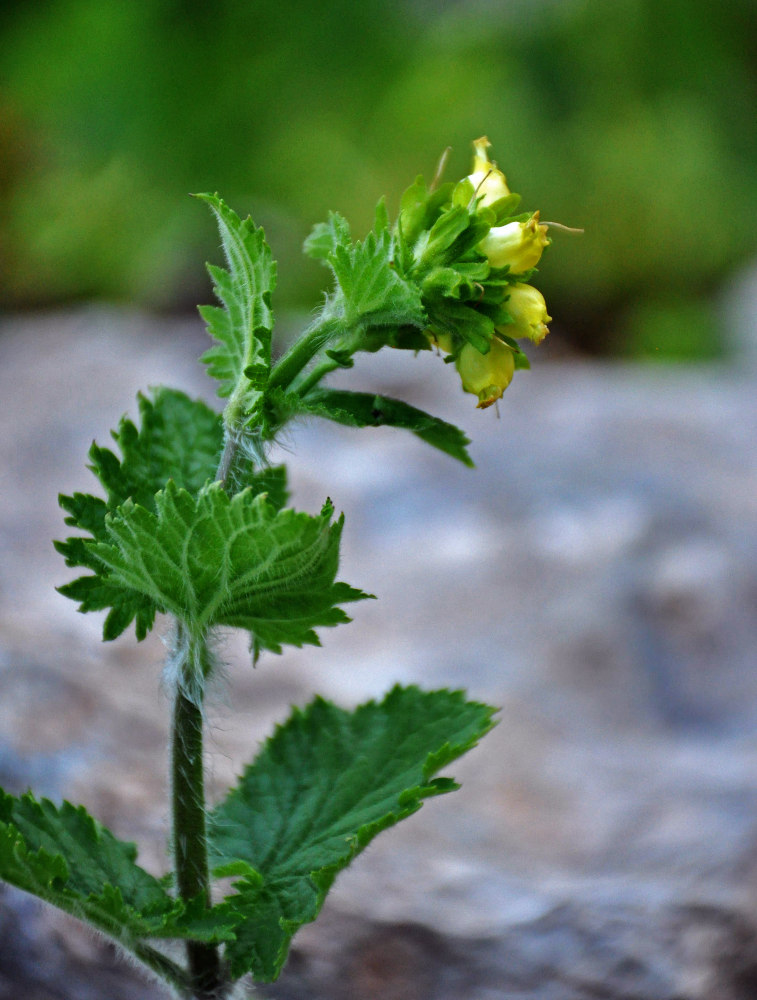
595	576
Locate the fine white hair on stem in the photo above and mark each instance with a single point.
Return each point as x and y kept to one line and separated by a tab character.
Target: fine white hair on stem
189	664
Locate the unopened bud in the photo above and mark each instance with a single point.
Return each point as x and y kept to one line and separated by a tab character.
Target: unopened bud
486	375
528	310
489	183
518	245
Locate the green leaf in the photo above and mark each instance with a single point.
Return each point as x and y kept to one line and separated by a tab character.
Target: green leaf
450	316
212	559
363	409
324	785
381	217
241	357
420	207
373	292
179	439
65	857
327	236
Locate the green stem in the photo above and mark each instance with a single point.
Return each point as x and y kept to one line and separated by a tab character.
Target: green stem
230	446
304	350
314	376
188	806
164	967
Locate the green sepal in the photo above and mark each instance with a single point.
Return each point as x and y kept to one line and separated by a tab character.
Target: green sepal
521	361
212	559
364	409
503	208
241	356
381	217
449	316
65	857
449	282
323	786
420	207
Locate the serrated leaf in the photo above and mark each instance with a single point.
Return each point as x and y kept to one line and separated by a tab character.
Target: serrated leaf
65	857
373	292
178	439
212	559
324	785
363	409
241	357
325	237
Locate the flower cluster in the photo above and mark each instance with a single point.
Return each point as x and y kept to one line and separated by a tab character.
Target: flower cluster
473	258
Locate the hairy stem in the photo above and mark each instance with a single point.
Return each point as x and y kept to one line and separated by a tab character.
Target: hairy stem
231	444
314	376
303	351
189	828
163	966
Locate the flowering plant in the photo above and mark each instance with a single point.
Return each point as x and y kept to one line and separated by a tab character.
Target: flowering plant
194	525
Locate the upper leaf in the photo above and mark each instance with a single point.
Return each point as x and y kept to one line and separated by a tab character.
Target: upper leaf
327	236
212	559
323	786
241	357
64	856
363	409
374	292
178	439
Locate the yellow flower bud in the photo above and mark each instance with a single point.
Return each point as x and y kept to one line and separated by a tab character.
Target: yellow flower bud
528	309
518	245
489	183
486	375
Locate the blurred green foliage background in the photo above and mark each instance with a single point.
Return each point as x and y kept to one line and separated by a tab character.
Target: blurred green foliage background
636	119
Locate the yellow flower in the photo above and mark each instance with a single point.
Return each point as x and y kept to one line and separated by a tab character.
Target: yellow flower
489	183
486	375
528	309
518	245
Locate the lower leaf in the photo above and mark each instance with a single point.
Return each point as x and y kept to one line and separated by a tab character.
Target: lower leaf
323	786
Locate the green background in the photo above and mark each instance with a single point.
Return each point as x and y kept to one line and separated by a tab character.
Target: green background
635	119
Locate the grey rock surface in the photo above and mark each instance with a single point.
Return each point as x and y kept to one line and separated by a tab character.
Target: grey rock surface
595	576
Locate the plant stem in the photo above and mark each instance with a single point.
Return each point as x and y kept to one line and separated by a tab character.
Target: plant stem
189	828
230	446
206	975
163	966
314	376
304	350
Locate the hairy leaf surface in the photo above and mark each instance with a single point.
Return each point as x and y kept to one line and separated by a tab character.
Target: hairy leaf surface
64	856
241	357
363	409
325	237
374	292
178	439
212	559
323	786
